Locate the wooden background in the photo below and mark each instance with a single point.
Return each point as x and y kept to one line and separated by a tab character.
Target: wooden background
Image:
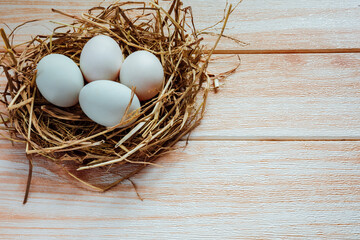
276	157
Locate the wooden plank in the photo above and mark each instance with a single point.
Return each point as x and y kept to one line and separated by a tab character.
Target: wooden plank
293	25
264	25
285	97
256	190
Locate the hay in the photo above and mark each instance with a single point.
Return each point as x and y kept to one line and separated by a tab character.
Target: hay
85	150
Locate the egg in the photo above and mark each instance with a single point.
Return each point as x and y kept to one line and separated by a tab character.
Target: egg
59	80
105	102
101	58
144	71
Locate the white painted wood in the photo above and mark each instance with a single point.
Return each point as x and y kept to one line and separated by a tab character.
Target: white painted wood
289	96
223	188
284	97
263	24
210	190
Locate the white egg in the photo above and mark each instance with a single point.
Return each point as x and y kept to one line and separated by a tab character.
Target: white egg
144	71
105	102
59	80
101	58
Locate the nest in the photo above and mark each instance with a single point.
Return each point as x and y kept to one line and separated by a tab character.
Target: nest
96	156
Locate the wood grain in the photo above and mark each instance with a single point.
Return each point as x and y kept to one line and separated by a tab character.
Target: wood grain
270	25
284	97
256	190
298	82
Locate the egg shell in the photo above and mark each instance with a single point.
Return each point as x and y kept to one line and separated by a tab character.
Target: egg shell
59	80
105	102
101	58
144	71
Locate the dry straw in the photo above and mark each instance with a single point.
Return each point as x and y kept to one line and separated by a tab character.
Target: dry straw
96	156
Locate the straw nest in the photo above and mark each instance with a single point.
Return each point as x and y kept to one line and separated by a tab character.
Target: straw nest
96	156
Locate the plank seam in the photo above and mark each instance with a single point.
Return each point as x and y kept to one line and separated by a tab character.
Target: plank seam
288	51
273	139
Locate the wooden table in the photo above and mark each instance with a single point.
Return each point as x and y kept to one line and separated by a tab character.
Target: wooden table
277	155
